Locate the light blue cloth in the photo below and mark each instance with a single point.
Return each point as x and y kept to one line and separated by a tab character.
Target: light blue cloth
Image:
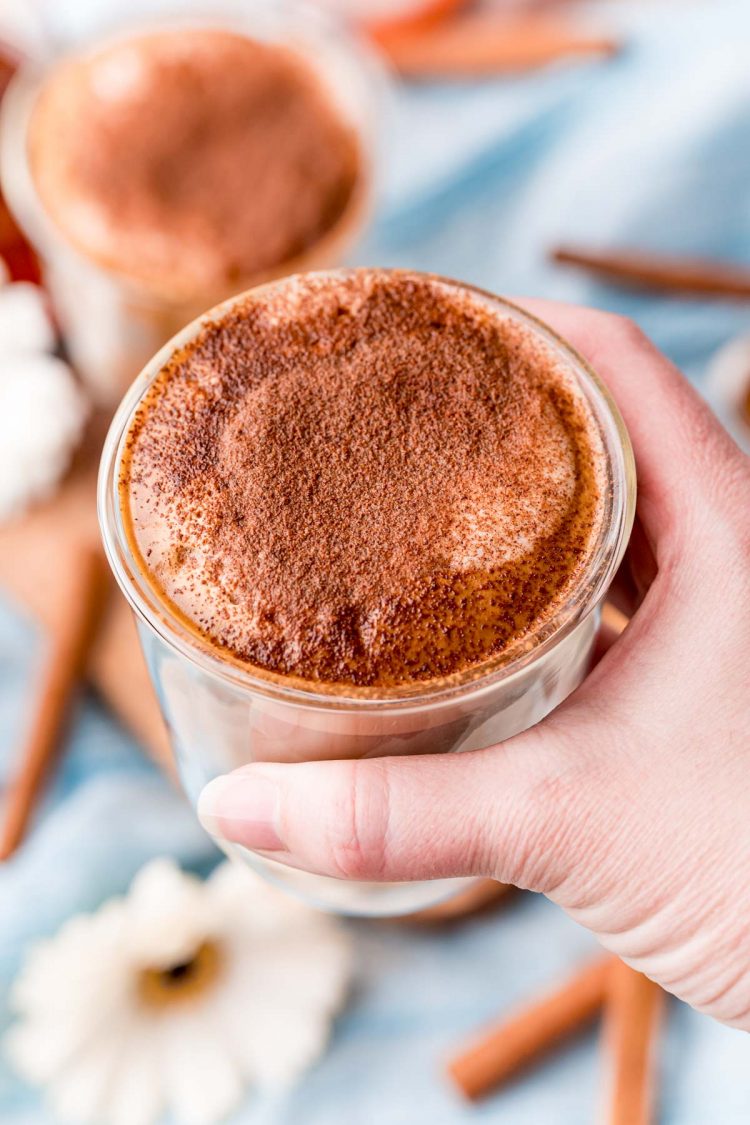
653	150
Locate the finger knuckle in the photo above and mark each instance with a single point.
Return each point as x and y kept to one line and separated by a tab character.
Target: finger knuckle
542	838
558	825
714	522
702	438
358	836
628	334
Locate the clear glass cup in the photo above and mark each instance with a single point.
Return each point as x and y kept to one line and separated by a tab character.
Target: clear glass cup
111	322
221	716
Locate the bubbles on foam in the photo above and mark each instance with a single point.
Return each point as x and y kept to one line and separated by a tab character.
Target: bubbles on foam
485	537
494	528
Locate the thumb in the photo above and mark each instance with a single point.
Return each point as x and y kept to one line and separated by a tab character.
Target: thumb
500	812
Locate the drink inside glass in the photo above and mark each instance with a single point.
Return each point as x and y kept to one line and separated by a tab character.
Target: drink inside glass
160	167
363	513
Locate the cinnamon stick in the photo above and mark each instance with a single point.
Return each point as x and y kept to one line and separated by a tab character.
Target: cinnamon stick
633	1012
426	15
506	1050
642	270
745	404
613	619
63	668
483	44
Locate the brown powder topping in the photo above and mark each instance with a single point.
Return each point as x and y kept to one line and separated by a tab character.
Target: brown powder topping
365	479
191	157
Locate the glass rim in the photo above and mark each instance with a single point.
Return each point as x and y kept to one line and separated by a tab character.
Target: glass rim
28	209
170	625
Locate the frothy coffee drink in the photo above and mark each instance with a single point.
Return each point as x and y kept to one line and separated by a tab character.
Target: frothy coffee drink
191	158
364	480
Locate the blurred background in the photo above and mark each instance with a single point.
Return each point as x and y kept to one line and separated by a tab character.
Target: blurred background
597	153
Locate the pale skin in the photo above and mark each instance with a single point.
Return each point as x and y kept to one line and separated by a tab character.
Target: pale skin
630	805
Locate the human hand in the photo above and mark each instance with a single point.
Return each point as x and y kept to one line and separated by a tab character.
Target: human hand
629	805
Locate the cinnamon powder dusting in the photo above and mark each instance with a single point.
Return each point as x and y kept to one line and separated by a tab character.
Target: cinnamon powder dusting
364	479
193	157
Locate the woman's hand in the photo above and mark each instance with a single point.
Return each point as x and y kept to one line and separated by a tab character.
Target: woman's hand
630	805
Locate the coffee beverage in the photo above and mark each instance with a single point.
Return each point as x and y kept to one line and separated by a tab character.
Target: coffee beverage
364	480
190	159
361	514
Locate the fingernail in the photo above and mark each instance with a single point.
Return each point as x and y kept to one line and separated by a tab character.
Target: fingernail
242	807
